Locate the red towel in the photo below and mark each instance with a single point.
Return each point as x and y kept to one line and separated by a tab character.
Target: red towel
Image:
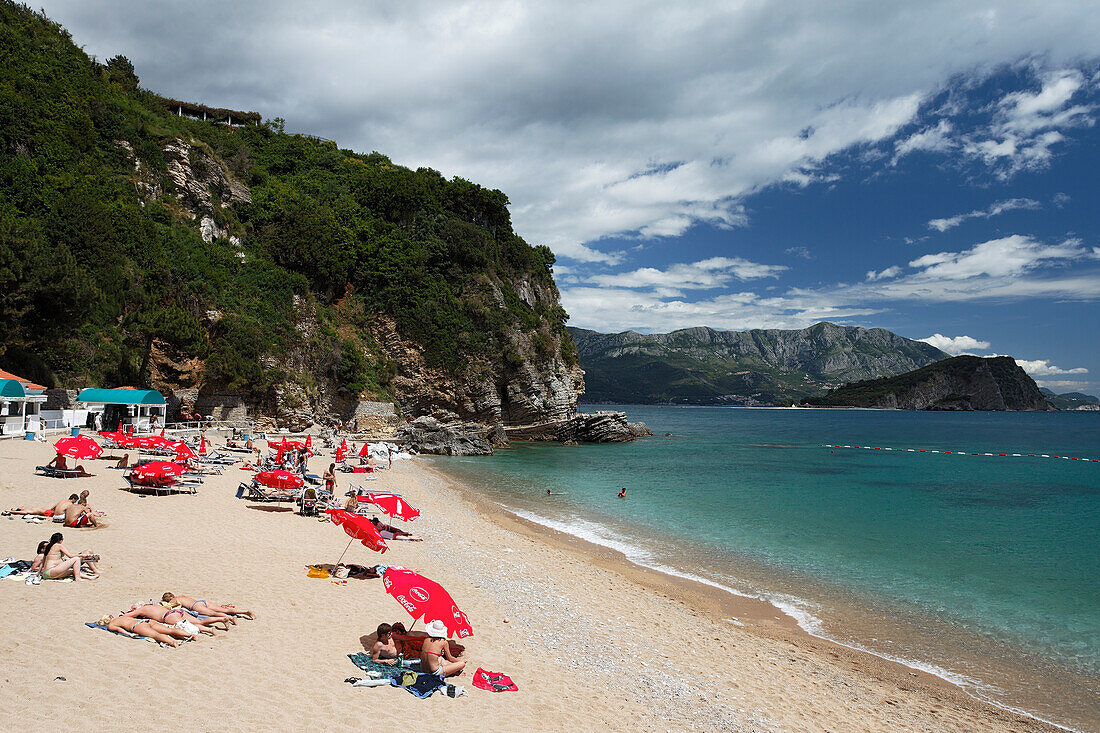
494	681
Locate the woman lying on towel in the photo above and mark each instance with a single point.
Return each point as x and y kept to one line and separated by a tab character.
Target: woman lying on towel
145	627
228	613
390	532
176	617
58	562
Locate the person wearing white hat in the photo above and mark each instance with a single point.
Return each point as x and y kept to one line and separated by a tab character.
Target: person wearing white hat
435	654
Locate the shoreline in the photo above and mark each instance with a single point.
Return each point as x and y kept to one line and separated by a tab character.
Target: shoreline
593	643
753	614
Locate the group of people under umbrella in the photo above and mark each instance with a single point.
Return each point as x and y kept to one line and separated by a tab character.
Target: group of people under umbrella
424	599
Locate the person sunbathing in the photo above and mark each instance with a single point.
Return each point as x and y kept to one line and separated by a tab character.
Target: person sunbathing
202	607
58	562
145	627
177	618
389	532
79	515
56	510
384	650
123	462
435	653
60	463
36	563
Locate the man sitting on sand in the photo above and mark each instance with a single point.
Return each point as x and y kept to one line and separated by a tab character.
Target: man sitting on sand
384	650
435	653
79	515
57	510
123	462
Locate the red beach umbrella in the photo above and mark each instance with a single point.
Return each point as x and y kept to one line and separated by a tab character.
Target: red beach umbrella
80	447
158	470
393	505
183	452
359	528
364	452
426	599
342	451
279	480
202	445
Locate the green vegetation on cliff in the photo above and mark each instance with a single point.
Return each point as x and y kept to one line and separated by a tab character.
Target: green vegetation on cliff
102	268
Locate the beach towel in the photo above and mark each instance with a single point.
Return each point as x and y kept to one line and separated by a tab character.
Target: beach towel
93	625
494	681
365	663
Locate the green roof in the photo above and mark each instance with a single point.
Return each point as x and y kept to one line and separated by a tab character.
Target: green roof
121	396
11	388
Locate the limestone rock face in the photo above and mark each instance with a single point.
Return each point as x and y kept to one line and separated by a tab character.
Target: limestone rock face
428	435
606	426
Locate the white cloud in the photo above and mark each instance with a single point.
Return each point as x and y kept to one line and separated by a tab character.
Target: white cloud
706	274
956	345
932	139
1026	124
1043	368
892	271
802	252
613	117
995	209
997	258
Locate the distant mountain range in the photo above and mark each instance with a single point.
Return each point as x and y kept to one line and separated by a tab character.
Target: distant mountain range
757	367
961	383
1069	400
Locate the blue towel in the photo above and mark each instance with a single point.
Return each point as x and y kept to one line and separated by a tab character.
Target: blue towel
426	684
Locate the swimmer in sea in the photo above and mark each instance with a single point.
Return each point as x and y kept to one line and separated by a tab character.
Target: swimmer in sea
622	494
555	493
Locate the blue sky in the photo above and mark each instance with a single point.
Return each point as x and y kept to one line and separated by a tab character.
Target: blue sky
928	168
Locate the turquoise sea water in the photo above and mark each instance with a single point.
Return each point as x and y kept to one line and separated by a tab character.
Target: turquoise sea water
985	569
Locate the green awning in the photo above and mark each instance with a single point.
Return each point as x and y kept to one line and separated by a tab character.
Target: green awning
11	388
120	396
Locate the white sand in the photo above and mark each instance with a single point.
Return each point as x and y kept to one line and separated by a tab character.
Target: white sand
593	643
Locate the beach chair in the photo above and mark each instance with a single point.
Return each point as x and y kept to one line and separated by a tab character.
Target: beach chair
159	488
255	492
57	472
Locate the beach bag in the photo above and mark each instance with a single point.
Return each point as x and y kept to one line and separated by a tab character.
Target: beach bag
316	572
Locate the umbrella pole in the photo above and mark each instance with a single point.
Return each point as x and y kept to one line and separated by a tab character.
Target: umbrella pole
342	556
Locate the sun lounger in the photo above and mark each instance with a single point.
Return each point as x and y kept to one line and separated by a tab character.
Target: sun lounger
161	488
60	472
252	492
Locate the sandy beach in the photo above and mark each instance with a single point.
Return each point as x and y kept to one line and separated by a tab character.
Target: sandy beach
593	642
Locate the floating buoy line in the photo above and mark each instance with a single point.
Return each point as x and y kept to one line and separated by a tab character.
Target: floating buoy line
961	452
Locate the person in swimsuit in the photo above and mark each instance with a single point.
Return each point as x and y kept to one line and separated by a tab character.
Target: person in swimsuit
435	653
62	464
384	650
123	462
330	478
207	609
57	509
176	617
36	564
145	627
78	515
389	532
58	562
622	494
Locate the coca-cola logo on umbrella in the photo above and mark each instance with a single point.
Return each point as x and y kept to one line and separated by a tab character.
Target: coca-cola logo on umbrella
419	594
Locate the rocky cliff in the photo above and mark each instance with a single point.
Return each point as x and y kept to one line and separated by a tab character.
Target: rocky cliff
961	383
705	366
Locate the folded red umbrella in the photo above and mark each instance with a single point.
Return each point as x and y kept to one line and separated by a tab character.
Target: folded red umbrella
426	599
364	452
78	446
392	504
183	451
279	480
342	451
359	528
158	470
